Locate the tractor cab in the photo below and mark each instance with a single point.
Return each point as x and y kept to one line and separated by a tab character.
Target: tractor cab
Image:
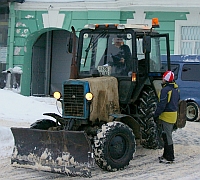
121	50
131	53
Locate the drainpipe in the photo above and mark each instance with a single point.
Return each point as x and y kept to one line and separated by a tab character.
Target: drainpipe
12	33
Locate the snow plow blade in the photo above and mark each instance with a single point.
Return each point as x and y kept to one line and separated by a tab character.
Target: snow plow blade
63	152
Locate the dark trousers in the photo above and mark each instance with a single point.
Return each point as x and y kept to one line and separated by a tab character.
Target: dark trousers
167	129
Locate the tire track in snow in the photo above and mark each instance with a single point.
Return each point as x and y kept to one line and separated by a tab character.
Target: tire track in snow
144	166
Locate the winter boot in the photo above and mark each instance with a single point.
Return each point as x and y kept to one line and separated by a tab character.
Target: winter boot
163	160
168	155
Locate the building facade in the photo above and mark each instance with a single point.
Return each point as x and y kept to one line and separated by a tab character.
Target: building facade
39	30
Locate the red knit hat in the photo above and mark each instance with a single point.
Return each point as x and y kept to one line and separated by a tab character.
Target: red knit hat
168	76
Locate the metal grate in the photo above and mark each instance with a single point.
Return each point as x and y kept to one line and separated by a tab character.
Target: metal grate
73	100
190	40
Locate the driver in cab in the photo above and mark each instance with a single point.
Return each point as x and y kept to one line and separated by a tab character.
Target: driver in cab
121	56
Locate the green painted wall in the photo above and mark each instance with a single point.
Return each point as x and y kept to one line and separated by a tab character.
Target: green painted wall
167	23
29	26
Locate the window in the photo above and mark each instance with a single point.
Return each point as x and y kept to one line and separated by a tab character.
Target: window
107	52
190	40
4	13
175	69
187	39
190	72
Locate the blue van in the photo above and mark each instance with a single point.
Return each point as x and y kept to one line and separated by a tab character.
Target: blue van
186	69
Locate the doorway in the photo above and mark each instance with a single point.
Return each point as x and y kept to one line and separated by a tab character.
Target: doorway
50	63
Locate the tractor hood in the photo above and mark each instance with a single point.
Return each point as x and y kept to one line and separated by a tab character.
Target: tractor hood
106	98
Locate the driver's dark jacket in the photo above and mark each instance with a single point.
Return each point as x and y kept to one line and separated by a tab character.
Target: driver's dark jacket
167	106
124	52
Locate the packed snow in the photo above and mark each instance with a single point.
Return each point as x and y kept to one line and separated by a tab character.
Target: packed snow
20	111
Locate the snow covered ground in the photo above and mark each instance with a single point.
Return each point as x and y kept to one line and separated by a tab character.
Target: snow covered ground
20	111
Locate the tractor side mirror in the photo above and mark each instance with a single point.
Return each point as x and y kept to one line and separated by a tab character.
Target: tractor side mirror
146	44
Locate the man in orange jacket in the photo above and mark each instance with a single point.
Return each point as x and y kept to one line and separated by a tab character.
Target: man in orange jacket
166	112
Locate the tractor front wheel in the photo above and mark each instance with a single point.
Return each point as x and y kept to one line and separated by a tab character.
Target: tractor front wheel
43	124
114	146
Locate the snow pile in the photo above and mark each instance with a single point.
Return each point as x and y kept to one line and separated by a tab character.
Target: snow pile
23	109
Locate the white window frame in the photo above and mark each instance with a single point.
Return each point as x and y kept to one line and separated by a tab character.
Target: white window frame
193	19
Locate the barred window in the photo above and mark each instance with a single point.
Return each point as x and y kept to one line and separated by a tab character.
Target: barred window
190	40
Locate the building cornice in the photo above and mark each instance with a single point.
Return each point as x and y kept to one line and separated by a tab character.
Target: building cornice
125	5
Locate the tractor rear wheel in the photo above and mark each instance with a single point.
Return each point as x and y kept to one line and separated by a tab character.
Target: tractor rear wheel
150	131
114	146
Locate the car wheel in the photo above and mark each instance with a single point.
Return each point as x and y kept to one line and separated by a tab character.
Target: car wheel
192	111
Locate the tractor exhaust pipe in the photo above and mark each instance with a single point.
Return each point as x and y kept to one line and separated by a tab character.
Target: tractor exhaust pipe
74	70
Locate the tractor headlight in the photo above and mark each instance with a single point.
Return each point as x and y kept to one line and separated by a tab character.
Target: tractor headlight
57	95
89	96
